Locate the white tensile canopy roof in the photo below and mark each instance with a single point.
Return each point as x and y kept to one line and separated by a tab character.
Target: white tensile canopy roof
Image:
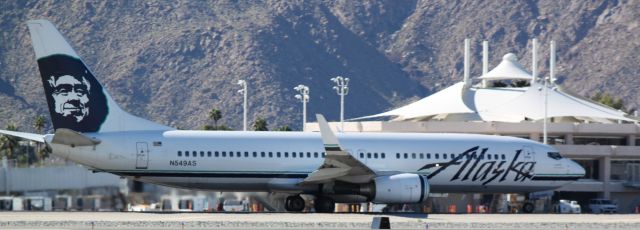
504	104
509	68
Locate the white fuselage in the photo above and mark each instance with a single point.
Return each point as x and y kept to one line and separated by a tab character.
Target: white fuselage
279	161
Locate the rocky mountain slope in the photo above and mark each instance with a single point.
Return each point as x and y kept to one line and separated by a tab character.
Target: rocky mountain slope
173	61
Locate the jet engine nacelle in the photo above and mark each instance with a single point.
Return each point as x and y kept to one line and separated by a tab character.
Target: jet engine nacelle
400	188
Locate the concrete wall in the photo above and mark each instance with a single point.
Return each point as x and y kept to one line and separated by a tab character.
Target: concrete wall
53	178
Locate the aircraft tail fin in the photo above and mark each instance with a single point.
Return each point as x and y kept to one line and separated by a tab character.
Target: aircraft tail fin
77	101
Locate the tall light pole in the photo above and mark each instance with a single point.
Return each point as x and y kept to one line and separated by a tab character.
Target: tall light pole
342	88
303	96
244	92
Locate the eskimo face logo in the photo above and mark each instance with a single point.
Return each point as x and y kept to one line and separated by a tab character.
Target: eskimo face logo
70	96
75	98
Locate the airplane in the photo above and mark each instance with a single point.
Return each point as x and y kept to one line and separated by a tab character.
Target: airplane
389	168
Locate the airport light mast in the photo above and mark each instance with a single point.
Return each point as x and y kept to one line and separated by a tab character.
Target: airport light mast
342	88
303	96
244	92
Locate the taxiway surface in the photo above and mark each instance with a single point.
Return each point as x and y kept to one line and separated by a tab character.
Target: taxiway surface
133	220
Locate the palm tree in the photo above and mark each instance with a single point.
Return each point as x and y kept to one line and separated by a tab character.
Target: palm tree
215	115
260	124
283	128
9	143
39	124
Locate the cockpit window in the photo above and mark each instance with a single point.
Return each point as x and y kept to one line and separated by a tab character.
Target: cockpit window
554	155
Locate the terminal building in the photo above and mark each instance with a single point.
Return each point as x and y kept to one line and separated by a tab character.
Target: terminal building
511	101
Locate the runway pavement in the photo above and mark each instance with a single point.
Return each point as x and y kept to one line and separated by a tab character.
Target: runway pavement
132	220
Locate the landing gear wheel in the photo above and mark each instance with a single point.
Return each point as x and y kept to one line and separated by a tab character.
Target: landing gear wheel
527	207
324	205
294	203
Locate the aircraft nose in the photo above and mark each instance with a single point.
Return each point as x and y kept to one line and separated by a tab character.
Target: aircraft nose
576	169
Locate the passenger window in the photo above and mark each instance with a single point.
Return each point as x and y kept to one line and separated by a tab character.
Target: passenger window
397	155
246	154
217	153
293	154
322	154
375	155
224	154
368	155
255	154
201	153
444	156
208	153
489	157
453	156
186	153
278	155
413	155
361	155
406	155
179	153
262	154
270	154
382	155
230	153
495	156
308	154
421	155
286	154
437	156
315	154
503	157
428	155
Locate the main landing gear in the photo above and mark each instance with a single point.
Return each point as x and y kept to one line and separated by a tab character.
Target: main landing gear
294	203
322	204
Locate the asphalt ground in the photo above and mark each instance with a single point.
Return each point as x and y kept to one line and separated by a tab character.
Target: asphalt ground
137	220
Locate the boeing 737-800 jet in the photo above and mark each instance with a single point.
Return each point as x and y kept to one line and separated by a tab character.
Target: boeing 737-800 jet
91	129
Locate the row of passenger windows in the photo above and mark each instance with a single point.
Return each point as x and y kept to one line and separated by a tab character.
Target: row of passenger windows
247	154
446	155
322	154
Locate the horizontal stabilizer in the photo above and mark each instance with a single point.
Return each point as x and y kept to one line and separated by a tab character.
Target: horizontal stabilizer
73	138
28	136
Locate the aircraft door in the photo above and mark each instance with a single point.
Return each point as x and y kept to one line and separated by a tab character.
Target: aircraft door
142	155
528	155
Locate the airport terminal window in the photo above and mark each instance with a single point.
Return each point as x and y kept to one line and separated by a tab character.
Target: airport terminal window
208	153
315	154
179	153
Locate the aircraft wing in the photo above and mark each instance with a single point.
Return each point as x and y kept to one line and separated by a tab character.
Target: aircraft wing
28	136
338	164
